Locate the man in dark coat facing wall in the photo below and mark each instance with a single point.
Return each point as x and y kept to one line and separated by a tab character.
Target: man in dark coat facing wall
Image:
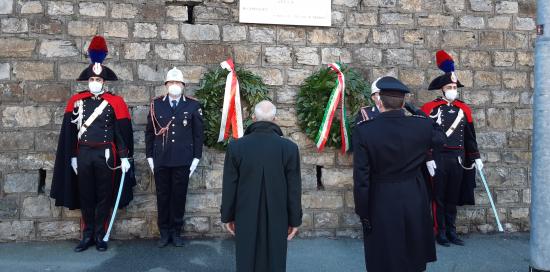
261	199
389	190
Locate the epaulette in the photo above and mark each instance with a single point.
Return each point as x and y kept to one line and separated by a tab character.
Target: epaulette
419	116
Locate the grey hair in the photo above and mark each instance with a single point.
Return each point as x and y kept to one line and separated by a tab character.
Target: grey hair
265	111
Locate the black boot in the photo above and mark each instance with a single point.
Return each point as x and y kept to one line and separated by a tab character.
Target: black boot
441	239
84	244
100	245
451	231
177	239
453	238
165	238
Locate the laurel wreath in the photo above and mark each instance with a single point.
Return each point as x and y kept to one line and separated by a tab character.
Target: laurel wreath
314	95
211	94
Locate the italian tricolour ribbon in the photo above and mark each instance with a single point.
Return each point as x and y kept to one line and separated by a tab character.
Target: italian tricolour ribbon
231	113
337	96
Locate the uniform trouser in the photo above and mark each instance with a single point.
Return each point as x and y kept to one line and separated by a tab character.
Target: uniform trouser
171	184
448	179
95	190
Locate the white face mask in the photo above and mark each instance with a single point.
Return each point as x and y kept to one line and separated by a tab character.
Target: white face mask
174	90
95	87
451	95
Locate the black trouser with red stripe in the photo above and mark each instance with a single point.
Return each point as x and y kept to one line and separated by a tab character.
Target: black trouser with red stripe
95	189
171	184
448	179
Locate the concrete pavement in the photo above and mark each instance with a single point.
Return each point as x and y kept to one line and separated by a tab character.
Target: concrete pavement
483	253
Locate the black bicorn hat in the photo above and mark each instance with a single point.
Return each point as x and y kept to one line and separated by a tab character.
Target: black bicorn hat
443	80
97	51
446	63
391	86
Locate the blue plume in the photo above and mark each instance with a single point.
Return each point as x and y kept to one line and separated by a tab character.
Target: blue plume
447	66
97	56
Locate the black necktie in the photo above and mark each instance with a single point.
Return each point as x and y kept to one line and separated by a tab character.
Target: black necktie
174	104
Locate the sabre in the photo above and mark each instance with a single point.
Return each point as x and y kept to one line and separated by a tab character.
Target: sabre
490	199
486	189
115	208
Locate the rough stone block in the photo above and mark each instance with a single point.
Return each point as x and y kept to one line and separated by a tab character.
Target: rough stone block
278	55
270	76
322	200
136	51
208	54
169	32
499	22
28	116
323	36
385	36
355	35
60	8
459	39
523	119
14	25
36	207
362	19
368	56
487	79
82	28
507	7
58	49
124	11
197	224
170	51
436	20
59	230
396	19
31	7
16	230
291	36
326	220
200	32
16	48
177	13
330	55
8	207
471	22
115	29
92	9
145	30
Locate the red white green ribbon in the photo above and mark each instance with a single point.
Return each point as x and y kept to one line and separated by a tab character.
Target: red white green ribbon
337	95
231	113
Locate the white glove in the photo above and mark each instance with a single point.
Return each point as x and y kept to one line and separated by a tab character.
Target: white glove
193	166
124	165
151	164
431	167
479	164
74	165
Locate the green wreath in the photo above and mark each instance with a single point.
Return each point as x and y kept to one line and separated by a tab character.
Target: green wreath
314	95
211	94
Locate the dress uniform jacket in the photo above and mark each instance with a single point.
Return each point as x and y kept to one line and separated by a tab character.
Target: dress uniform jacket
390	191
184	137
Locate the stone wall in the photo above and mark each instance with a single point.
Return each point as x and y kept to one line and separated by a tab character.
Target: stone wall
42	47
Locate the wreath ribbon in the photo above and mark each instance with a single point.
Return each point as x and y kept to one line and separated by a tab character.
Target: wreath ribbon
232	120
336	96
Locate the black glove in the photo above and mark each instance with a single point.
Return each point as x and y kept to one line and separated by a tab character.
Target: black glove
413	110
367	228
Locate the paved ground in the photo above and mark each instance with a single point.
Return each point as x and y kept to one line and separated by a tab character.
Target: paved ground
483	253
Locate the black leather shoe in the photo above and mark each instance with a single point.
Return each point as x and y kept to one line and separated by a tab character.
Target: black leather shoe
442	240
177	239
84	244
453	238
100	245
165	238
